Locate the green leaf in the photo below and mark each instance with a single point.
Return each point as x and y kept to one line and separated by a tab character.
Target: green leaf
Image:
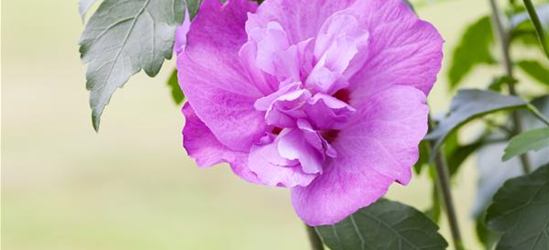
536	71
193	5
383	225
527	141
456	158
498	82
435	210
523	18
84	6
123	37
523	30
472	50
492	171
521	211
487	237
456	153
467	105
423	157
173	83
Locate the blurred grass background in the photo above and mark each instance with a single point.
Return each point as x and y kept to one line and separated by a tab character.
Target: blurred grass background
131	186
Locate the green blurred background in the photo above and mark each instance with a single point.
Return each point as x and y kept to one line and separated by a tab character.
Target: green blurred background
131	186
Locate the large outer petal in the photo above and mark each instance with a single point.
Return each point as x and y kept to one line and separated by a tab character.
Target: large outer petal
215	82
202	146
379	147
300	19
403	50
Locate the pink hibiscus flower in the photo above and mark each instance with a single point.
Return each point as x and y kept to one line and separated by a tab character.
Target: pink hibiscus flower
325	97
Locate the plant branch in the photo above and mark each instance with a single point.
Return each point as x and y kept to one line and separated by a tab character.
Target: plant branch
443	184
537	25
504	37
314	239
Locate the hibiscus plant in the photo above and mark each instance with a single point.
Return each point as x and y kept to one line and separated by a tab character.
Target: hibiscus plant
328	99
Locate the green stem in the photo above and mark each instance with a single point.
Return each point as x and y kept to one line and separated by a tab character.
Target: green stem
314	239
443	184
537	114
537	25
503	36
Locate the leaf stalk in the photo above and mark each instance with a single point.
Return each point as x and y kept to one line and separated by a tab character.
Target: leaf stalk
537	114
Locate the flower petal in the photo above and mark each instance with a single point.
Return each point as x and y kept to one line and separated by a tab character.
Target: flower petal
379	146
215	82
202	146
294	146
300	19
285	109
326	112
269	41
403	50
389	127
339	40
181	34
275	170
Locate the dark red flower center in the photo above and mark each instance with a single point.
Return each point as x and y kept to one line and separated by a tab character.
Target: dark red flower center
276	130
342	95
330	135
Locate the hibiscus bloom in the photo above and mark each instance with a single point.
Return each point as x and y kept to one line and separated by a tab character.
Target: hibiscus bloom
325	97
